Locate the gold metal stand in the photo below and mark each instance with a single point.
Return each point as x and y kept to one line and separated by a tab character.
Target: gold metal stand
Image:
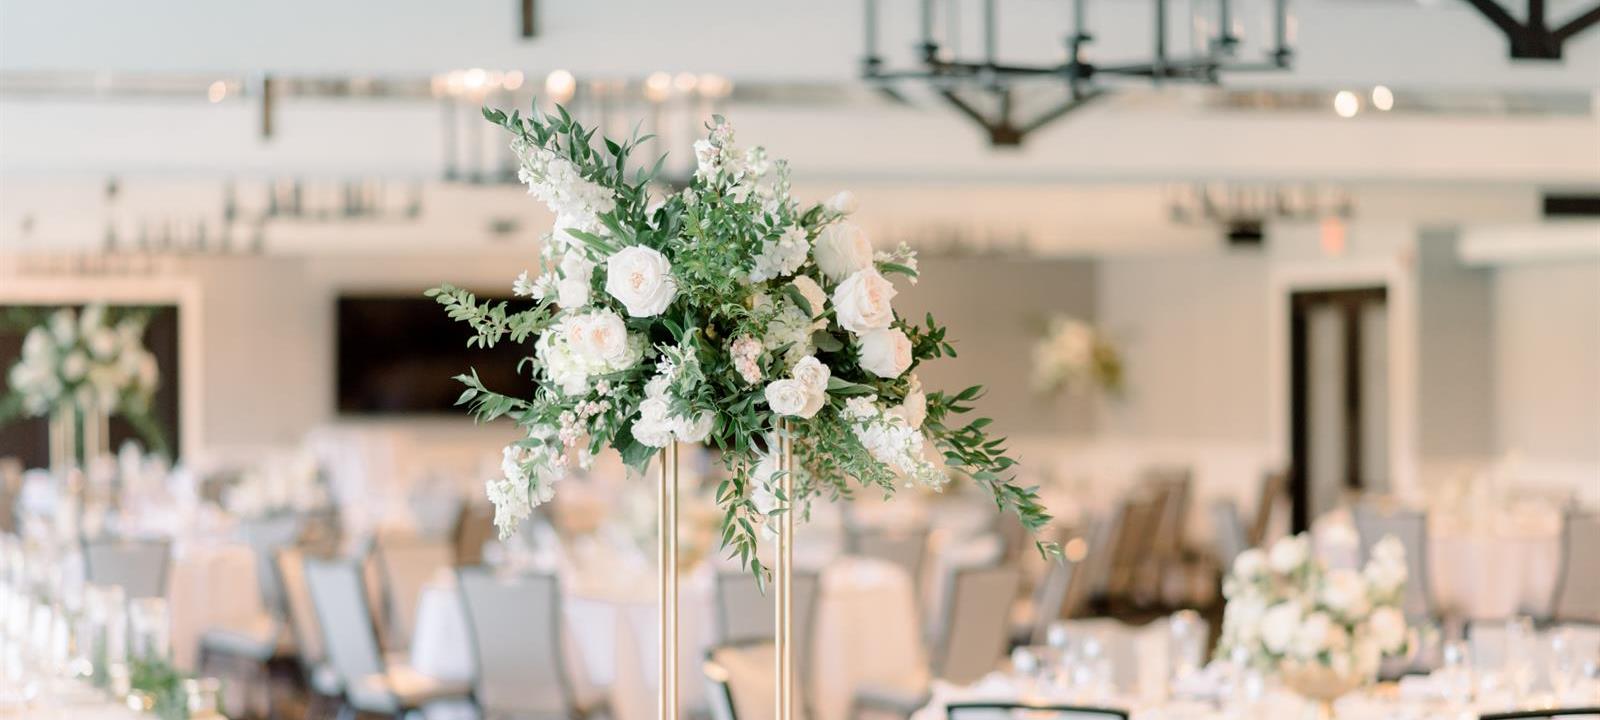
667	566
782	582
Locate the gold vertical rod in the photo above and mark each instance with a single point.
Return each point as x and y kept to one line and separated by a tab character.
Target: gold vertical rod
667	564
782	581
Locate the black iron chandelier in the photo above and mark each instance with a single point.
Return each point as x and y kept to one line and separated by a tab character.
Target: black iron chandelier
987	88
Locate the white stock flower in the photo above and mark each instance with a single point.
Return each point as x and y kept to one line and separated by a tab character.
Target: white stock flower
885	353
812	292
862	302
74	366
842	250
1278	625
641	278
572	291
1288	554
842	203
1388	627
576	201
64	328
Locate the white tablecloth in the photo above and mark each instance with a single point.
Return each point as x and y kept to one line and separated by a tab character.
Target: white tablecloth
1488	571
866	633
213	586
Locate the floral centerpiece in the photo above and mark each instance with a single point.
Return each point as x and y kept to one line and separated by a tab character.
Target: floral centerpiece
723	313
1324	630
83	362
1073	356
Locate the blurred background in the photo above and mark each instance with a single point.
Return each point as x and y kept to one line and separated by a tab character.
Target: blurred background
1335	252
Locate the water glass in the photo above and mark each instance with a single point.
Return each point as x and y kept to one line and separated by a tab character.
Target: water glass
1186	643
1521	644
1456	670
204	698
150	628
1566	669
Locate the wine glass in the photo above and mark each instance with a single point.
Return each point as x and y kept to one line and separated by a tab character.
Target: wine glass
1186	636
1456	669
1520	645
1565	667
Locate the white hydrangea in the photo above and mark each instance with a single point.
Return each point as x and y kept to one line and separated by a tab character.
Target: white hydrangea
528	478
781	256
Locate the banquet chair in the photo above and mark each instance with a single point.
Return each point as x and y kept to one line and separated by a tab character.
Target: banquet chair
905	548
1229	533
1577	595
1130	549
138	566
744	612
740	683
519	648
474	529
1049	601
1024	711
405	564
264	641
1374	523
1274	493
316	675
975	638
371	682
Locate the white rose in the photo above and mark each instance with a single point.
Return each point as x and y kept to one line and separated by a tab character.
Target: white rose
1249	564
1314	635
842	203
599	337
74	366
885	353
789	397
915	407
573	289
641	278
1288	554
1278	625
36	345
1388	628
696	430
812	292
653	427
813	373
841	250
1243	618
1367	656
1345	593
64	328
862	302
102	343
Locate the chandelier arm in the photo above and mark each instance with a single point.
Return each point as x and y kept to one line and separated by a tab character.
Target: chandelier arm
1061	110
1497	15
1577	24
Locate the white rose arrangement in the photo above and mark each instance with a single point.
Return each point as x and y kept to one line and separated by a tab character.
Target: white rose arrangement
1073	356
73	361
723	313
1285	606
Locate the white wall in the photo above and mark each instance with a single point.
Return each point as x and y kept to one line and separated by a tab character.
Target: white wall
1547	373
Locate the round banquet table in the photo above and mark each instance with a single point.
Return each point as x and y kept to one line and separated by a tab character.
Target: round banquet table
866	632
1485	571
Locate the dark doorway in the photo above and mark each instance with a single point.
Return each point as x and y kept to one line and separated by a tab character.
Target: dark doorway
1339	411
28	439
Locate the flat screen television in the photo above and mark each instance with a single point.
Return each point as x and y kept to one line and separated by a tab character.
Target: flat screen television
399	355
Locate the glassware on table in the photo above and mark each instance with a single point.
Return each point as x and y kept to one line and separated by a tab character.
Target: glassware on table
1521	643
1566	668
1186	644
1456	672
150	628
204	698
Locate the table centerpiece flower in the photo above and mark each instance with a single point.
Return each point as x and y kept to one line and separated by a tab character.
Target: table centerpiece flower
723	313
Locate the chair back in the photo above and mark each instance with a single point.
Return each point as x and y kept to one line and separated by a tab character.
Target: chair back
1020	711
139	567
739	682
1375	522
1274	487
406	564
1050	597
349	636
905	548
744	613
474	529
298	606
1135	539
1228	533
1577	596
266	536
515	626
976	628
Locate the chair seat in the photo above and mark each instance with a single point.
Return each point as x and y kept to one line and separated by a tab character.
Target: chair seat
402	684
898	700
261	639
